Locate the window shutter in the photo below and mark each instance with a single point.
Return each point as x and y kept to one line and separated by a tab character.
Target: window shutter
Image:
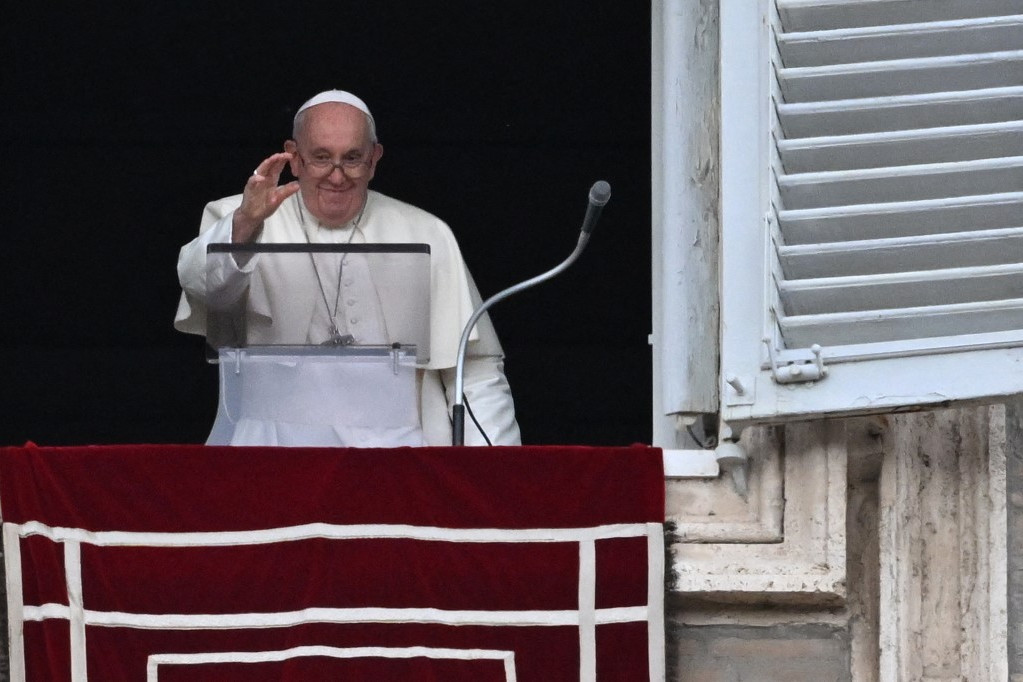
872	197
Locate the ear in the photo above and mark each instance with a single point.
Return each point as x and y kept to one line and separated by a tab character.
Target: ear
291	147
378	151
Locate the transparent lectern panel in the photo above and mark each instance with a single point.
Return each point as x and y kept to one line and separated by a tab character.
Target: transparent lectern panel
313	397
342	296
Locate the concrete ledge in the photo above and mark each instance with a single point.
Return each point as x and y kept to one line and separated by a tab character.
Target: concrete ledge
691	464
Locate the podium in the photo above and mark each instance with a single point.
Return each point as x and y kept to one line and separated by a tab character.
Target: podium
318	344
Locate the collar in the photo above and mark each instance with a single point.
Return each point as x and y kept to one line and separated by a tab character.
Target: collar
314	231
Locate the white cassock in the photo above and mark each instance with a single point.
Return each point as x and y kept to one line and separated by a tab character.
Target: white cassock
453	297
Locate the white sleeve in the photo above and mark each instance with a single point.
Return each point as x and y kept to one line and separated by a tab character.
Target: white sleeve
228	278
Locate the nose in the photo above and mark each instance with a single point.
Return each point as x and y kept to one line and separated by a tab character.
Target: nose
341	175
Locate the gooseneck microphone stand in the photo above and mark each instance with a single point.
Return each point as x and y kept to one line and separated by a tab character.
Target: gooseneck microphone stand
599	195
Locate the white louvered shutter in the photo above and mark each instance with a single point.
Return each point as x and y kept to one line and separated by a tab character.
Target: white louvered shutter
872	204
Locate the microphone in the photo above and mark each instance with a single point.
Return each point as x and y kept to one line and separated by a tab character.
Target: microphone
599	195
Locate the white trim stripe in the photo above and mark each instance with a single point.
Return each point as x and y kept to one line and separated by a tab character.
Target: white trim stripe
50	611
156	660
655	635
76	610
587	611
15	603
328	531
284	619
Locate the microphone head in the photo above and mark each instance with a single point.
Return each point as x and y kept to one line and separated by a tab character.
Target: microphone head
600	193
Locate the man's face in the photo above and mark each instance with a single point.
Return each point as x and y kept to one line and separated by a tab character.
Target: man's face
334	133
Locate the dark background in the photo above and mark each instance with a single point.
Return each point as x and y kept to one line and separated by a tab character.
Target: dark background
121	120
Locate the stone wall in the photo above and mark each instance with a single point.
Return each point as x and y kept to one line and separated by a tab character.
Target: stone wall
862	549
1014	543
732	653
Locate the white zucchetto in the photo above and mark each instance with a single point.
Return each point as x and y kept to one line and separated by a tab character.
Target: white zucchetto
340	96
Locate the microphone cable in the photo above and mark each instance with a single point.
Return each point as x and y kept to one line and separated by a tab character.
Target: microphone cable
468	408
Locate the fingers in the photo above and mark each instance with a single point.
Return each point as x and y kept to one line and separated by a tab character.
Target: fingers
271	167
285	191
281	193
261	186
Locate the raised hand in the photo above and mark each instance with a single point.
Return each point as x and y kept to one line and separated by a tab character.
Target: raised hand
262	196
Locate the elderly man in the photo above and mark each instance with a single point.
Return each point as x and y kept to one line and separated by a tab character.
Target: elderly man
334	155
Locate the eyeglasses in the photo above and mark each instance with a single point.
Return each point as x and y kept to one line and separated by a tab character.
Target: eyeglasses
353	165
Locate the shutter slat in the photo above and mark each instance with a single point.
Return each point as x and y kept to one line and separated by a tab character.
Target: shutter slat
886	326
903	147
806	15
901	77
890	255
901	183
905	219
904	41
901	289
902	112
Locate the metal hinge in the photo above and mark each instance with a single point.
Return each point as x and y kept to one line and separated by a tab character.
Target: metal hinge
798	370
